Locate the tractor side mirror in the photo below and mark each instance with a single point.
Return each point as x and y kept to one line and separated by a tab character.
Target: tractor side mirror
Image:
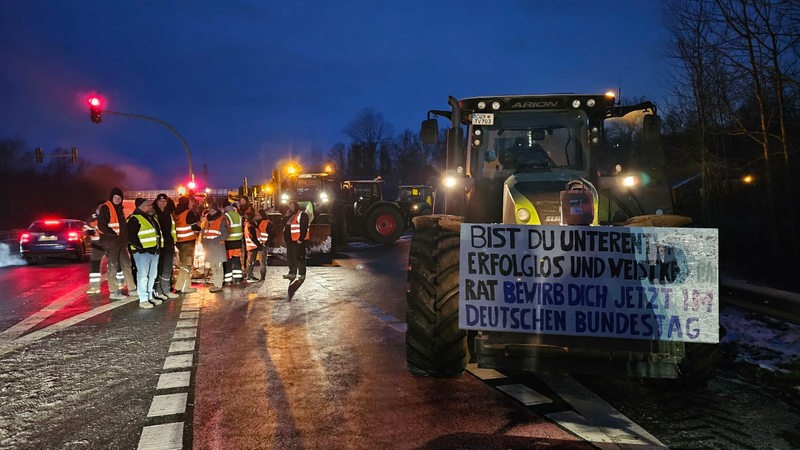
429	133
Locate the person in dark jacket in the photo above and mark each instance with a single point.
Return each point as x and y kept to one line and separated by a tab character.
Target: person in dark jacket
164	207
144	240
187	227
257	235
96	256
295	233
114	239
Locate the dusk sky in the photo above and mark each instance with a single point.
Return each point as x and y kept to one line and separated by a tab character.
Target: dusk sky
250	82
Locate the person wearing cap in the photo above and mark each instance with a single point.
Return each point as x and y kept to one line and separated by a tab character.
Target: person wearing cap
215	231
144	241
187	227
163	207
295	233
114	239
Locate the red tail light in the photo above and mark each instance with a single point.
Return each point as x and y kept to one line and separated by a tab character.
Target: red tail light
25	238
73	236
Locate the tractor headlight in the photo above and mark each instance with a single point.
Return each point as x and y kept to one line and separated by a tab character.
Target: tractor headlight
523	215
449	182
630	181
284	198
323	197
415	207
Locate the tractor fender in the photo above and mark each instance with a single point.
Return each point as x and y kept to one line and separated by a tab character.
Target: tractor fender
379	204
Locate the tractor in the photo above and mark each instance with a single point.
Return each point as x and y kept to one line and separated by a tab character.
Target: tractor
415	200
558	166
361	211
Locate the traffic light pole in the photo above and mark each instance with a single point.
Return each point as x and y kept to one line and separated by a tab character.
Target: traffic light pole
169	127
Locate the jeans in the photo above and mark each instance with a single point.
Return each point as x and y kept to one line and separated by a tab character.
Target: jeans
163	284
147	271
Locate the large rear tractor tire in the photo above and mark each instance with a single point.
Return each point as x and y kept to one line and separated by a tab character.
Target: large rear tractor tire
385	224
435	346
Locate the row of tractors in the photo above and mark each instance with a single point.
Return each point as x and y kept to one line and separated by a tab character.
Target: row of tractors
340	210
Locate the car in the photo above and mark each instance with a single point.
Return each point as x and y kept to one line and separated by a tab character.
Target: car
55	238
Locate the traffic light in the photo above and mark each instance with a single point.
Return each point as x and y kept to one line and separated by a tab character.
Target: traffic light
39	155
95	109
191	185
74	155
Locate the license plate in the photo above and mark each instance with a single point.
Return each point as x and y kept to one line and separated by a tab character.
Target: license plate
48	238
483	118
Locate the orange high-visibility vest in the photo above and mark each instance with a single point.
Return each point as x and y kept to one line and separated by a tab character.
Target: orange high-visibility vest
263	234
183	231
248	240
113	221
212	231
295	227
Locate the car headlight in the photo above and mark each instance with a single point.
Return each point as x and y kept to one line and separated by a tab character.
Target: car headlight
523	215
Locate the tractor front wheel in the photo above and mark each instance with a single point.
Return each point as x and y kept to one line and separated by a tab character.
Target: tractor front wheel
385	224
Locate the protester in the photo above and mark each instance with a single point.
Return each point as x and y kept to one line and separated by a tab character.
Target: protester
97	252
257	237
144	239
295	233
186	230
114	240
233	246
163	208
215	233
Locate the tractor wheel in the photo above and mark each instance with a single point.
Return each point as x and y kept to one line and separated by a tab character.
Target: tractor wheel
699	365
385	224
435	346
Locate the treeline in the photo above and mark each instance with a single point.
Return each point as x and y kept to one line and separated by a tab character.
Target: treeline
57	187
374	151
735	121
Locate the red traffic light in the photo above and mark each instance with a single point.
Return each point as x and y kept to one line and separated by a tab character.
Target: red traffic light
191	185
95	109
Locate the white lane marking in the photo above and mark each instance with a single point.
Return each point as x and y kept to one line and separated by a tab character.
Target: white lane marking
174	380
168	436
39	316
577	425
168	404
186	323
185	333
484	374
36	335
178	361
524	394
189	315
181	346
612	423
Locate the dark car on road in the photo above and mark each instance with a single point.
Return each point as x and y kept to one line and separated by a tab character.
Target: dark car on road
55	238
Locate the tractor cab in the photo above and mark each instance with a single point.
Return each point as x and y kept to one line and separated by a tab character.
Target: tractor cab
415	200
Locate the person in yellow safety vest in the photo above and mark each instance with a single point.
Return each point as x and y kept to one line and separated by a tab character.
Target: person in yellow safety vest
295	233
114	239
97	252
256	238
233	246
145	241
187	228
215	232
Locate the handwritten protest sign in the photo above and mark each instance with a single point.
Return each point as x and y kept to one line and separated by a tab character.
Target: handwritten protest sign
624	282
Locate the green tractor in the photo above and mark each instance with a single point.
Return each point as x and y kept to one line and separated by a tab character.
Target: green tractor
361	211
415	200
527	164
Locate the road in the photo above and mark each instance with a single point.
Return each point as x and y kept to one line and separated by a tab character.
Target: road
323	366
252	367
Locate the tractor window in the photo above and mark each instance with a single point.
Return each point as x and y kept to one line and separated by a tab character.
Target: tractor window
528	141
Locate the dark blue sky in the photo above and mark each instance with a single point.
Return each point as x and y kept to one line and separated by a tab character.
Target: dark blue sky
250	82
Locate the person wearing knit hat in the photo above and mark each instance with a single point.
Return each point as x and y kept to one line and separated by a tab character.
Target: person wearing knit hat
114	239
163	208
144	241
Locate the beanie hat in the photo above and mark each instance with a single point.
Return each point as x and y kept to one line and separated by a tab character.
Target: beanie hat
162	196
183	201
139	201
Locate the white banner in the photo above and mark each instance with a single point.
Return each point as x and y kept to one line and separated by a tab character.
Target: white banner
651	283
